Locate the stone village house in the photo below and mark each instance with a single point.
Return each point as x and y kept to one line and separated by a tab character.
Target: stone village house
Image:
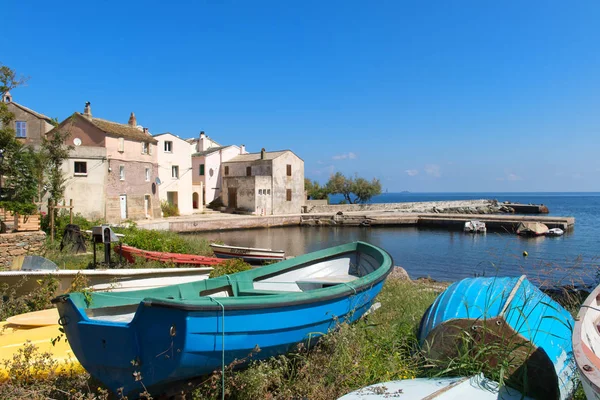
174	157
207	158
111	171
265	183
29	126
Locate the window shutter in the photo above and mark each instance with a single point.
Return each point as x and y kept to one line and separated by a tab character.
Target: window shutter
150	148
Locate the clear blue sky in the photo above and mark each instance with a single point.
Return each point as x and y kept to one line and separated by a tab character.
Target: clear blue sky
425	95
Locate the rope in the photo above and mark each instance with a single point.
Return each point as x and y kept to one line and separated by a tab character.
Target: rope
222	348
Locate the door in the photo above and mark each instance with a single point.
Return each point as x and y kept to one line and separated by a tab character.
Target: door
232	198
146	205
123	201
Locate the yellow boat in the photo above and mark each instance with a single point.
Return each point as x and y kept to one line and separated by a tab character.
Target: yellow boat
15	337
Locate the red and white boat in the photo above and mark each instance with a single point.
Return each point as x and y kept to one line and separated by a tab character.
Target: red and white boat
248	254
130	253
586	345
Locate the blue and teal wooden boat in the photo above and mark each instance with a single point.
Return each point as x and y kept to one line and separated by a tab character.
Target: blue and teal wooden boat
507	319
153	338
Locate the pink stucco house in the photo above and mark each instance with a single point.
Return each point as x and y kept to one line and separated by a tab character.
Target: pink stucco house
111	172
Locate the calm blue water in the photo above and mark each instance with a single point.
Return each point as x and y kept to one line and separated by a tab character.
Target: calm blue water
452	255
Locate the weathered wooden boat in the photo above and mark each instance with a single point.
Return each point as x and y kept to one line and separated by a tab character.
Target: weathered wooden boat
507	318
475	227
153	338
586	344
474	387
23	282
531	229
250	255
130	253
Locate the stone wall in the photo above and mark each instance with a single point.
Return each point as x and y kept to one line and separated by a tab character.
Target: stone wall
19	244
456	206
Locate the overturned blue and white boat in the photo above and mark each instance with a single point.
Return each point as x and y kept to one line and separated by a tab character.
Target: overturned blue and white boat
505	319
152	338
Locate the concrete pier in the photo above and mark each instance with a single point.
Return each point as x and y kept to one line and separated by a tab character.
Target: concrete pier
527	208
501	223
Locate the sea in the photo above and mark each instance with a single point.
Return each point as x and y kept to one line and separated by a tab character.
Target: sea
446	255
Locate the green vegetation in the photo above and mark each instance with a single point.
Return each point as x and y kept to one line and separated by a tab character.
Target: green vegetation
168	209
228	267
53	153
355	190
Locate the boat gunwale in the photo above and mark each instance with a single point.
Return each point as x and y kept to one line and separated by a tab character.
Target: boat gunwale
579	348
278	298
226	246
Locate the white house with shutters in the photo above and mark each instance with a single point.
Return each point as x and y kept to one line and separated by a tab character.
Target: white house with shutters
174	156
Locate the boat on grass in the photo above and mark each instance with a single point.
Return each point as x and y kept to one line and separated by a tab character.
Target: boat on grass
155	338
24	282
531	229
130	253
250	255
474	387
506	319
475	226
586	344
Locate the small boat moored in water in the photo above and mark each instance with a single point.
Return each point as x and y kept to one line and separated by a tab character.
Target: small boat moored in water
526	327
475	387
586	344
248	254
155	338
555	232
475	226
531	229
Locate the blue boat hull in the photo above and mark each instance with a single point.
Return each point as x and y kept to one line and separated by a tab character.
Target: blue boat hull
515	314
163	345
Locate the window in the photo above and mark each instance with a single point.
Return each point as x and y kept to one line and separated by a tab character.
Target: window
175	171
259	191
288	195
248	171
168	147
121	144
147	174
201	172
268	191
144	147
80	168
122	172
21	129
289	170
227	170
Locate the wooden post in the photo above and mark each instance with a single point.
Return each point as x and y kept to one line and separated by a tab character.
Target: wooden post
16	222
51	212
71	210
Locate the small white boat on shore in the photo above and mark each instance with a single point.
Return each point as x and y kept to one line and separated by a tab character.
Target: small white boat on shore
250	255
555	232
26	281
475	226
586	345
475	387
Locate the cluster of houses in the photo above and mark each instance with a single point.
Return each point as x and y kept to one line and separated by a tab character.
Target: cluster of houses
119	171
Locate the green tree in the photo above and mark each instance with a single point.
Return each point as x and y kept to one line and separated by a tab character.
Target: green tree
355	190
314	190
54	153
19	183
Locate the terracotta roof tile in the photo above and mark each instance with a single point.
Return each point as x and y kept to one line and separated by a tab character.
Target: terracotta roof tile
120	130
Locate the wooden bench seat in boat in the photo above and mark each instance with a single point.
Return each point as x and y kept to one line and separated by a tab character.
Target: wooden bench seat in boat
323	281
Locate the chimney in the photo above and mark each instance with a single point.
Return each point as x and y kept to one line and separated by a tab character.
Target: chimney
132	121
145	130
7	98
242	149
262	153
87	110
202	143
